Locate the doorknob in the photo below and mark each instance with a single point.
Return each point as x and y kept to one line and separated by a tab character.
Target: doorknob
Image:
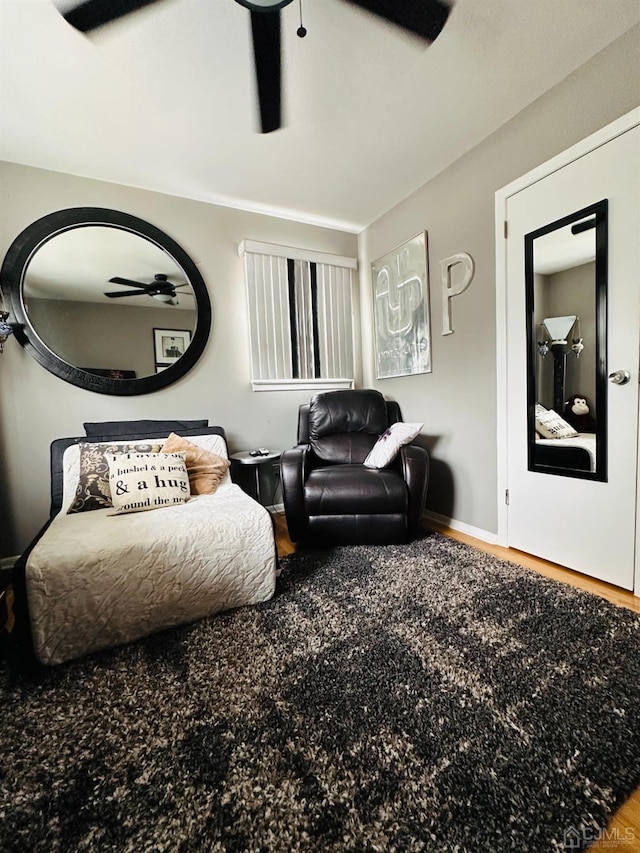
620	377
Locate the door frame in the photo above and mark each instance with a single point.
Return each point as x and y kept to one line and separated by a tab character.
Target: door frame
580	149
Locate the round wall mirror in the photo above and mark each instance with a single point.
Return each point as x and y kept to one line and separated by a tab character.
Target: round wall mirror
106	301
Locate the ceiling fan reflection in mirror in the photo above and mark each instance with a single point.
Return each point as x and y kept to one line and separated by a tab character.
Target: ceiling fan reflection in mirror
423	18
160	288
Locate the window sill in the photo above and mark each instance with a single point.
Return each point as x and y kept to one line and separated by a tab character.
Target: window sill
301	384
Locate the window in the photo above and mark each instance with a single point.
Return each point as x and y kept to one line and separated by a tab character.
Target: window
300	317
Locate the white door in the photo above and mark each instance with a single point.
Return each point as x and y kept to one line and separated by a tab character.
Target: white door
576	519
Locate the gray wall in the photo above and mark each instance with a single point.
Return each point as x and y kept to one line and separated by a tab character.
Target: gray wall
36	407
457	401
111	336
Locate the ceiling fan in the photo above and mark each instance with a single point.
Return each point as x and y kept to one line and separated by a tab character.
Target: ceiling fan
424	18
160	288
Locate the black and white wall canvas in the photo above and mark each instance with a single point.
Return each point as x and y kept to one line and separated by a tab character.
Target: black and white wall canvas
400	281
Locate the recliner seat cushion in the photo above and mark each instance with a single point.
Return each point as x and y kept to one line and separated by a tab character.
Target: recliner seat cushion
345	489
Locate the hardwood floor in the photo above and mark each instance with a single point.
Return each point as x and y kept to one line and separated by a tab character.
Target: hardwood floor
623	832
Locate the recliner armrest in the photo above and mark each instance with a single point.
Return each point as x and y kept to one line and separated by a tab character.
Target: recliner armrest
415	468
294	465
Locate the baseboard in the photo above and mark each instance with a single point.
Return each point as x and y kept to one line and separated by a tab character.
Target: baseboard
452	524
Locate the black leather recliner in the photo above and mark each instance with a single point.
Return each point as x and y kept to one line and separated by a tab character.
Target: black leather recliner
330	497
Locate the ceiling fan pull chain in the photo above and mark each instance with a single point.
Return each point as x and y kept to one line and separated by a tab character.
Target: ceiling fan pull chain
301	29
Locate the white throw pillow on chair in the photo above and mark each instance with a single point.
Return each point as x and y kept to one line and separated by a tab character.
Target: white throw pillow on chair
387	447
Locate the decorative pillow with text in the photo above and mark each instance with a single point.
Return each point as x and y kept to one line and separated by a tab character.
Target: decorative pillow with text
387	447
144	481
549	424
204	467
92	491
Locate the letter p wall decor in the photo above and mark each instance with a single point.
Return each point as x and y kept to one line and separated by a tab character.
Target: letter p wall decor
449	289
401	310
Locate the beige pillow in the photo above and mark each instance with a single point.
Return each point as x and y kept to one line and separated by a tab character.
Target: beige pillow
143	481
205	468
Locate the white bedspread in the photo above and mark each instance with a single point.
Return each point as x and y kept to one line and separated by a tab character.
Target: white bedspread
96	580
584	440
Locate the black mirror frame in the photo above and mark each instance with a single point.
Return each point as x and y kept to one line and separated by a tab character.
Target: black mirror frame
599	210
12	279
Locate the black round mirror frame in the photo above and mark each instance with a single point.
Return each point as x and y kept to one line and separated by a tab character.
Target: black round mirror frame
12	281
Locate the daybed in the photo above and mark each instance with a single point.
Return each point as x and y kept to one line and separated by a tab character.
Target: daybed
93	580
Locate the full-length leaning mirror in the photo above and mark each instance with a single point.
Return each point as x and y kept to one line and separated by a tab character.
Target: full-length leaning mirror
566	298
106	301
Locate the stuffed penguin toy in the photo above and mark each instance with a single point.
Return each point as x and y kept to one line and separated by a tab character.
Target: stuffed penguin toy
577	413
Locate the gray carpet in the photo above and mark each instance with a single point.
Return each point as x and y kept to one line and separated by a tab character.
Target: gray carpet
424	697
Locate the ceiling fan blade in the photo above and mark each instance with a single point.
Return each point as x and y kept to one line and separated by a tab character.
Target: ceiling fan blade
118	294
118	280
91	14
424	18
265	28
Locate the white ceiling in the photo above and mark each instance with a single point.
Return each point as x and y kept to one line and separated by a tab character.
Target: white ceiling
164	99
77	264
563	250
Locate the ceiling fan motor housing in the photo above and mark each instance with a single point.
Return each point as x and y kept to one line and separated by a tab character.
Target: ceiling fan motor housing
264	5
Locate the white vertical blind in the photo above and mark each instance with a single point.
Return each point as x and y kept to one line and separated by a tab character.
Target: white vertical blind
273	325
268	298
335	321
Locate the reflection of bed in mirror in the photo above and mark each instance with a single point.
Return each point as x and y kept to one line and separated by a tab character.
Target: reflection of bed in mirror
577	453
